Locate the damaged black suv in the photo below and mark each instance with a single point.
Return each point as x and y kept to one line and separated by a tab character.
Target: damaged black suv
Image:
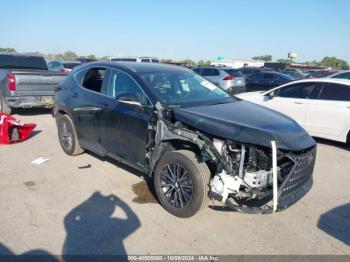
193	139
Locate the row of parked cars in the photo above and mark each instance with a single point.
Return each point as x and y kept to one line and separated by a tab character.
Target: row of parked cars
193	139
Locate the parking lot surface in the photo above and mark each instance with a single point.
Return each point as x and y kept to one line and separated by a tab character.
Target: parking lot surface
88	205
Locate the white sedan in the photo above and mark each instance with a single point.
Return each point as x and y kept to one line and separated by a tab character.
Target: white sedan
321	106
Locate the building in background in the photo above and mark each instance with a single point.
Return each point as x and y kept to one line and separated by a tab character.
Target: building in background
238	63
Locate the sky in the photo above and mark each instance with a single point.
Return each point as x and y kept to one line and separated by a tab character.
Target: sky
179	29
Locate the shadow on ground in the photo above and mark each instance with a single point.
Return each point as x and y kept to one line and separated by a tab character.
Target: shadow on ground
332	143
31	111
97	226
336	223
144	190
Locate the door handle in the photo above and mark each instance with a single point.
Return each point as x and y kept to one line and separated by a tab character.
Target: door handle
104	105
348	107
75	95
298	103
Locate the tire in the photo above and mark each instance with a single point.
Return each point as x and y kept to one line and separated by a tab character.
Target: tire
187	193
3	107
67	136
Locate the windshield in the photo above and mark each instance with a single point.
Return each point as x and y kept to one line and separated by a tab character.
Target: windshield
70	65
184	89
22	62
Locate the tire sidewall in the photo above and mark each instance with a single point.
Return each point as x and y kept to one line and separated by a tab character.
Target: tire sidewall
61	119
198	191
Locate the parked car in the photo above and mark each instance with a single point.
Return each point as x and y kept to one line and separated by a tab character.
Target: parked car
186	134
297	75
142	59
321	73
341	75
62	66
229	79
266	80
26	82
321	106
249	70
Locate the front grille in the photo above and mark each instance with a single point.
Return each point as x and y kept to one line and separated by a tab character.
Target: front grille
294	185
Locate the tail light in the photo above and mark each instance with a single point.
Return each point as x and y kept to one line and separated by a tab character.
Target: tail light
228	78
64	70
11	81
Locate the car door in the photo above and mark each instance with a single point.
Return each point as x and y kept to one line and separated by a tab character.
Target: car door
254	82
87	100
123	125
328	116
291	100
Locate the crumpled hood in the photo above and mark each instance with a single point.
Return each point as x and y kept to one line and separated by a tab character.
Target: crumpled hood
247	123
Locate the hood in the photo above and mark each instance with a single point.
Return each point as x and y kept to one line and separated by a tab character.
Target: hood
250	94
247	123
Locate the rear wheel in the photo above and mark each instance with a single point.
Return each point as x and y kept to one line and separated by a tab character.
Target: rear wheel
3	107
181	183
67	136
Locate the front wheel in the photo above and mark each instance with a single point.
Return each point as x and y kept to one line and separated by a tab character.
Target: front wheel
181	183
67	136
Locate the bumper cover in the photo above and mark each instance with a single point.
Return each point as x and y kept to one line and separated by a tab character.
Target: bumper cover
30	101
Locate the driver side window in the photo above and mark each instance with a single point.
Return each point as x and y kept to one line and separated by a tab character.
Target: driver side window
121	84
301	91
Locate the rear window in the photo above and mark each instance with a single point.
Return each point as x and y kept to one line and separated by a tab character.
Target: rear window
145	60
210	72
335	92
70	65
234	73
22	62
124	59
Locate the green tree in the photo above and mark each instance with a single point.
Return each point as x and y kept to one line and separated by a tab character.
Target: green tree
332	61
165	61
189	62
203	63
93	57
7	49
69	55
284	61
266	58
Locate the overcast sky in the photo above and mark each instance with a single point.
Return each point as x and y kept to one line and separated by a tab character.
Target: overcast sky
179	29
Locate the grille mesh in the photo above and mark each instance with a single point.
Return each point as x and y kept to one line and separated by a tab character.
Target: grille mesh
298	175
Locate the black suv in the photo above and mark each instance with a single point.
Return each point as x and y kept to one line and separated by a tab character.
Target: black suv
192	138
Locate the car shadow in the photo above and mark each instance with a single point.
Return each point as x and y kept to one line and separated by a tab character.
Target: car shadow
31	111
144	191
332	143
336	223
98	226
93	229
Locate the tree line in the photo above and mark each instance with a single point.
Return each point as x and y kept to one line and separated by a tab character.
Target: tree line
328	61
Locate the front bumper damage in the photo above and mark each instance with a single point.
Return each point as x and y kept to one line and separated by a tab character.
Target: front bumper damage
247	178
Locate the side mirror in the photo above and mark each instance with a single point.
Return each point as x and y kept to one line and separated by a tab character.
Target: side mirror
129	99
270	95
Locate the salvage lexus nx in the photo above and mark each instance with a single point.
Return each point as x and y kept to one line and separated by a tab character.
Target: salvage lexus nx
190	137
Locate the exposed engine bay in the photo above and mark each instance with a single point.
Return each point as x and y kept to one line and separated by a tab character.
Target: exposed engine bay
246	177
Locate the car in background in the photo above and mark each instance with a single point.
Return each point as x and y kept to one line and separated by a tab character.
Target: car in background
321	106
25	81
321	73
249	70
297	75
341	75
229	79
265	80
142	59
62	66
187	135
